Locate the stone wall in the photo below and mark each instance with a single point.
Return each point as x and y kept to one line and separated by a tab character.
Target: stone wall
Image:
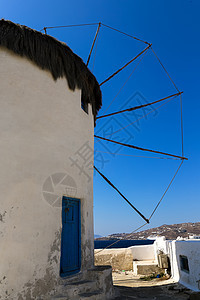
119	259
122	258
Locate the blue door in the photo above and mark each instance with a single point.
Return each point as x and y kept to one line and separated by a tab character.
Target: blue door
70	262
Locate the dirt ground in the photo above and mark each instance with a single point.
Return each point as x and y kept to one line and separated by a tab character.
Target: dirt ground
129	286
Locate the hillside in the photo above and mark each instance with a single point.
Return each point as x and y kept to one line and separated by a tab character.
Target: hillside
169	231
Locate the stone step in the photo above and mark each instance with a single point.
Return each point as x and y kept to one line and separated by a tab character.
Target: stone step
95	295
95	284
103	276
72	290
59	297
91	295
146	267
81	286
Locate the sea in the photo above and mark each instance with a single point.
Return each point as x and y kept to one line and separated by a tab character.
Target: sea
121	243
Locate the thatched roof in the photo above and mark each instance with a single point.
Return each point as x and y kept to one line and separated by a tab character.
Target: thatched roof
50	54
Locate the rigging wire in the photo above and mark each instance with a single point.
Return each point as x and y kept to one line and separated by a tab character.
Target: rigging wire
166	190
181	107
139	106
66	26
140	148
89	24
124	33
165	70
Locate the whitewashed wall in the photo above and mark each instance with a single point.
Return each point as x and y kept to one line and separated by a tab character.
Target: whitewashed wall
161	245
42	125
144	252
190	249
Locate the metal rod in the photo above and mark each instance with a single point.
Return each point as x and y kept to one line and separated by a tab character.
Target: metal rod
97	32
139	106
139	156
111	76
110	183
139	148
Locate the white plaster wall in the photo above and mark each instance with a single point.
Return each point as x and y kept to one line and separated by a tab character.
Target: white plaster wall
173	261
161	245
145	252
174	249
41	126
191	249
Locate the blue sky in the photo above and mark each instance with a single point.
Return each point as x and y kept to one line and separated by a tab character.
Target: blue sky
173	28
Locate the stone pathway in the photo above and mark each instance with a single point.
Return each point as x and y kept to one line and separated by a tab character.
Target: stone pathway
128	286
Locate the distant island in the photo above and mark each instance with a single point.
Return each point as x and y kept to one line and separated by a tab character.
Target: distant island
171	232
97	236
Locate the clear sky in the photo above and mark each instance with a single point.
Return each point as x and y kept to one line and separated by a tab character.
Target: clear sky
173	28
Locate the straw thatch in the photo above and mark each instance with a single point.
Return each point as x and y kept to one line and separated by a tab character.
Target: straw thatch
50	54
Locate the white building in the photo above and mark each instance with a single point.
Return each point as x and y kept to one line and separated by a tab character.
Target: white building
49	101
184	260
179	258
